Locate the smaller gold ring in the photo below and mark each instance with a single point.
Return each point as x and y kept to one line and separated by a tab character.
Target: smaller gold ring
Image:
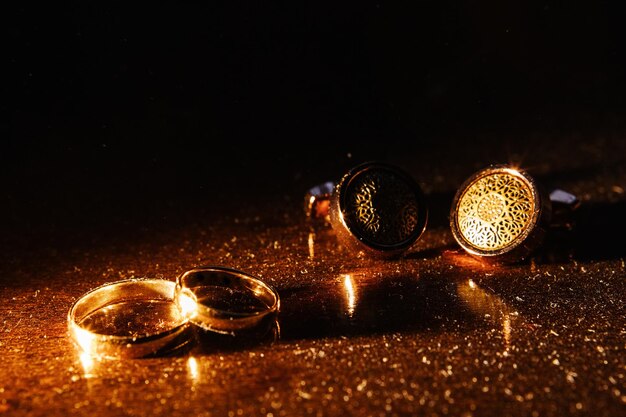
131	318
224	300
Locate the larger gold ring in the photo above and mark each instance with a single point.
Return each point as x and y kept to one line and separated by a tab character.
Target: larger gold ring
225	300
130	318
501	214
376	209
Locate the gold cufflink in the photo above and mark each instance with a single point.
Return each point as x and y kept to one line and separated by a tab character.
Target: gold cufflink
501	214
375	208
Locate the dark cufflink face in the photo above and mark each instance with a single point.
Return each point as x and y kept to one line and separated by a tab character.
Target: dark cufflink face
378	209
500	214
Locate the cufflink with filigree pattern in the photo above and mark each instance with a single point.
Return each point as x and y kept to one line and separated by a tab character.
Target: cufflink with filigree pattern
376	209
502	214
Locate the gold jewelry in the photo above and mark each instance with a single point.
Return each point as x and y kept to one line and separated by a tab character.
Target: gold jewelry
501	214
375	208
130	318
225	300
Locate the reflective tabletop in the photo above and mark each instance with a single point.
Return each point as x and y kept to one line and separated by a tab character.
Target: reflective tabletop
434	332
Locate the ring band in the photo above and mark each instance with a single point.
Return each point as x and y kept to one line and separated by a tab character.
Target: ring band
208	297
131	318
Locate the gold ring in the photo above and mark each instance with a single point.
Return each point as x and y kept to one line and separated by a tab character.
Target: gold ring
375	208
131	318
224	300
501	214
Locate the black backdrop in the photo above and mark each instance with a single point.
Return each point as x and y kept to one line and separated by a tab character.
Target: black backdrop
112	100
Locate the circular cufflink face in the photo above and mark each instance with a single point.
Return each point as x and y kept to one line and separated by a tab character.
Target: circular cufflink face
379	209
499	214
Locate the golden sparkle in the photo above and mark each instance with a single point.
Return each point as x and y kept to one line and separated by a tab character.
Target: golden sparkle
311	245
348	285
192	367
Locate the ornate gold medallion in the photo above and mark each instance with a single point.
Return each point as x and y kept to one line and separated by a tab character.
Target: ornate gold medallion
378	209
495	210
499	214
384	208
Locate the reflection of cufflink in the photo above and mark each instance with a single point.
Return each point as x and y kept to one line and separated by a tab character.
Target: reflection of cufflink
501	214
375	208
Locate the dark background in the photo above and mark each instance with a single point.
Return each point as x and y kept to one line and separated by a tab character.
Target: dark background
114	108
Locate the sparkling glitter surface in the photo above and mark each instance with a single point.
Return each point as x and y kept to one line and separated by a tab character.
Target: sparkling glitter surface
432	333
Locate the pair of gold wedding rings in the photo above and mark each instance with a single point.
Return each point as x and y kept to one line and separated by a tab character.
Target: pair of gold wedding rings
142	317
499	214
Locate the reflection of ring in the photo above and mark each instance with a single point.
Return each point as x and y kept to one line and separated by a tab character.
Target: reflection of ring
224	300
501	214
267	333
129	318
375	208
